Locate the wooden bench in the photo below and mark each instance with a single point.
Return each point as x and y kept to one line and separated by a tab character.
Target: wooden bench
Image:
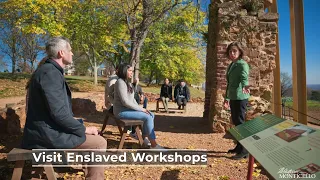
20	156
184	110
126	124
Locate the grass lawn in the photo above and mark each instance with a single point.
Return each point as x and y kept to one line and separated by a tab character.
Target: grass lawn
312	105
14	85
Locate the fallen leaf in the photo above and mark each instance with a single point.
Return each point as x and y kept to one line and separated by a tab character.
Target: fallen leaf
66	176
190	147
255	174
223	178
243	161
258	170
80	173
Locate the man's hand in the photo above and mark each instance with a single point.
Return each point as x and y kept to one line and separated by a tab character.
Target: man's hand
92	130
226	104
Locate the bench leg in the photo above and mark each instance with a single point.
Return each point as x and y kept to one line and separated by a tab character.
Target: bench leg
50	172
119	128
17	172
123	137
104	125
157	107
139	135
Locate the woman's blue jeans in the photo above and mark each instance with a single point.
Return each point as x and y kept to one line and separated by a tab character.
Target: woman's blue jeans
148	121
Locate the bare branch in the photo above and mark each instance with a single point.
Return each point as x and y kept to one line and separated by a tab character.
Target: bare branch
167	9
136	6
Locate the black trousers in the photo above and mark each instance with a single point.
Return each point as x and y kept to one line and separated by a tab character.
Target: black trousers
181	101
238	116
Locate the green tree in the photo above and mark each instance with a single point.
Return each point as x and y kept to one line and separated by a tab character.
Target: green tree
23	20
95	33
139	16
172	49
315	95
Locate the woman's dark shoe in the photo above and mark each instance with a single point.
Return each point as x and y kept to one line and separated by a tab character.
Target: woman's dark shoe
231	151
237	150
240	156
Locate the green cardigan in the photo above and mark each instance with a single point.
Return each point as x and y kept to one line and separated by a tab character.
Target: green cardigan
237	78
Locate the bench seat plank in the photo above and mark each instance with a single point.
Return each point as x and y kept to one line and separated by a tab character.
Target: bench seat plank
17	154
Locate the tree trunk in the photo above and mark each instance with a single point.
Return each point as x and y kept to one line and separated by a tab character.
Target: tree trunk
24	65
32	64
95	69
137	37
14	55
150	77
139	33
13	70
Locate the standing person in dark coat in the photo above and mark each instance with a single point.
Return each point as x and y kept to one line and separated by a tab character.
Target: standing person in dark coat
182	94
166	93
50	123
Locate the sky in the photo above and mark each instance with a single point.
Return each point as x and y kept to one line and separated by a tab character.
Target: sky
311	28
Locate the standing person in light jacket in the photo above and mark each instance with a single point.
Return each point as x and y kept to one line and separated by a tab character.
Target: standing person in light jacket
50	123
126	107
166	93
238	92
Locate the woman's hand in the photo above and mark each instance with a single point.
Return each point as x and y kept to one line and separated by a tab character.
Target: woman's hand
141	98
92	130
146	111
246	90
226	104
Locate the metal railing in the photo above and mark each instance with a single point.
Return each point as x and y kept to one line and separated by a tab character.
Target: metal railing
287	113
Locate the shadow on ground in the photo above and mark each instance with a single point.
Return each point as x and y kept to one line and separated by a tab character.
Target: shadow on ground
170	175
180	124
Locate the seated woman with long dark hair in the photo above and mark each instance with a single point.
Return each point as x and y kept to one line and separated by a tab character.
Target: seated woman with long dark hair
126	107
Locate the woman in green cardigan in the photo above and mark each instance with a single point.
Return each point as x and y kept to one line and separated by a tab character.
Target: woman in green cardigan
237	92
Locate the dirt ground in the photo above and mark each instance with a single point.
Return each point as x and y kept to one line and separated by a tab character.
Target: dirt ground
174	131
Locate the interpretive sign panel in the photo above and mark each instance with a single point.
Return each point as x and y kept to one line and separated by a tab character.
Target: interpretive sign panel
287	149
254	126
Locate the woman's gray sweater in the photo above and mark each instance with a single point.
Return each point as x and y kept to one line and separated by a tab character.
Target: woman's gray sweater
123	99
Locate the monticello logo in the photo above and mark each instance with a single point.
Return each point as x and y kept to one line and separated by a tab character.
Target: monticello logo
285	173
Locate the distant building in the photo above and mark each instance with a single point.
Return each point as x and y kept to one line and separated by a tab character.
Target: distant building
102	72
199	86
69	70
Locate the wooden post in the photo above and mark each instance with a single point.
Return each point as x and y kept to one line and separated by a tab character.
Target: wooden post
299	85
276	72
